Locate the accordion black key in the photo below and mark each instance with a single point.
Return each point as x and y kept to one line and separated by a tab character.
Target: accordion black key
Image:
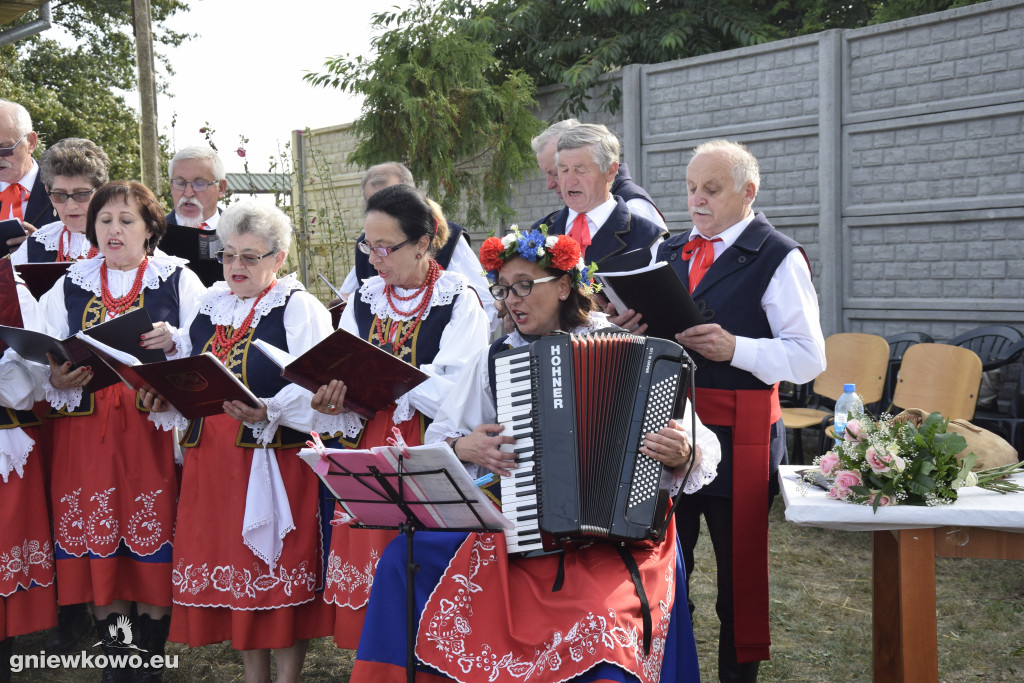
579	407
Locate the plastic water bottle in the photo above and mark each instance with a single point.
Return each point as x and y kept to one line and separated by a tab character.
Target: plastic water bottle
848	403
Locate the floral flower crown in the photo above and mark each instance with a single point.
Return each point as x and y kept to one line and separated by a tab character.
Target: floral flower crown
548	251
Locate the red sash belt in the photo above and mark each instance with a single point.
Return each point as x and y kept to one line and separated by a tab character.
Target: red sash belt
750	414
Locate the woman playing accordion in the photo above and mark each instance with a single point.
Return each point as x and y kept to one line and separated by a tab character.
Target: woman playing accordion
486	616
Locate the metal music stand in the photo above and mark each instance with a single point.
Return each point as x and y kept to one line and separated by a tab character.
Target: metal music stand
392	493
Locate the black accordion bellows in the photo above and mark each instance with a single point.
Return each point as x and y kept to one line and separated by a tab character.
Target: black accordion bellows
579	407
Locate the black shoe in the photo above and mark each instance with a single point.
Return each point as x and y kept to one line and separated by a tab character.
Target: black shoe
6	648
152	638
113	639
73	624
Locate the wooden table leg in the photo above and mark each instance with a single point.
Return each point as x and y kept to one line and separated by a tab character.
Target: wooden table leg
905	626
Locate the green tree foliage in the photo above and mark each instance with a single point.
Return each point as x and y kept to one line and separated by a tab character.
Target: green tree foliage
437	99
78	87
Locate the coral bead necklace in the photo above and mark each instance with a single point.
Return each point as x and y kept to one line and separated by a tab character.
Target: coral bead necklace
425	292
116	307
64	253
222	344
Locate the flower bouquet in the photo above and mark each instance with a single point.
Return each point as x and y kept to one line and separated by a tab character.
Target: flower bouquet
888	462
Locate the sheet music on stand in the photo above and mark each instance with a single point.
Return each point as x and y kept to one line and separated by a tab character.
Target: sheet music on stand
409	488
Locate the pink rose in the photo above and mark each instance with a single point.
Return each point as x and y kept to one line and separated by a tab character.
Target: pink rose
240	151
852	431
882	501
878	462
828	462
843	481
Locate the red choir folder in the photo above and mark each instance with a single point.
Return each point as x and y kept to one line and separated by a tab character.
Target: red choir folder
195	386
40	277
435	486
121	333
374	377
10	307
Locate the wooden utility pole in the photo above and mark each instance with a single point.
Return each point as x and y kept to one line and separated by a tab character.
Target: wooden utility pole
149	147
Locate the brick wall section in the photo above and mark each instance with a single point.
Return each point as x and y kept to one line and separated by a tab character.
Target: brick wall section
893	153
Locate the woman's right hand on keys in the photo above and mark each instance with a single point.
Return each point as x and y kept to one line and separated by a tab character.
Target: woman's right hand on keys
63	377
481	447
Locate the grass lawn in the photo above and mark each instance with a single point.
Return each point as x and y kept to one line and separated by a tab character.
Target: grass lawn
820	618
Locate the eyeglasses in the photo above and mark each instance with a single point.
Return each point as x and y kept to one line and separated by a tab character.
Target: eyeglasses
9	151
62	197
197	185
246	259
520	289
380	251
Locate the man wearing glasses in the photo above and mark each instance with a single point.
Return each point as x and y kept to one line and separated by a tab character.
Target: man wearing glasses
22	195
197	183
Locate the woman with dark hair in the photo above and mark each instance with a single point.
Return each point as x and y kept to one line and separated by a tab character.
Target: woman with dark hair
114	484
487	617
422	314
71	171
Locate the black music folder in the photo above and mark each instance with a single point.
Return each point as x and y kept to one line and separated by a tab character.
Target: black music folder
121	333
9	229
40	277
657	294
375	378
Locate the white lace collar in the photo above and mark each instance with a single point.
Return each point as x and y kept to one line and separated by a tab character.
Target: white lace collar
86	274
224	308
597	322
49	237
448	286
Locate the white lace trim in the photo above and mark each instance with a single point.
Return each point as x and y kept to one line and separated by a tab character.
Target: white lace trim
348	424
86	274
403	409
267	518
67	399
49	237
448	286
224	308
264	430
14	449
168	420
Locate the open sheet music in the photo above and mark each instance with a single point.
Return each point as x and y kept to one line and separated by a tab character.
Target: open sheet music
438	490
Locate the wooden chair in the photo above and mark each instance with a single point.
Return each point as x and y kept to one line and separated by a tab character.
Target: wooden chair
939	377
851	357
898	345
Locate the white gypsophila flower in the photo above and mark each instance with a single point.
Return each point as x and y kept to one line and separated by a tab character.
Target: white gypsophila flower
540	253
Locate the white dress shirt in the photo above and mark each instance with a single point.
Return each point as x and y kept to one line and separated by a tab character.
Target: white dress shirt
796	350
598	216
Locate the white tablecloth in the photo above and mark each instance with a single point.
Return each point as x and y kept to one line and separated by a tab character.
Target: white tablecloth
808	505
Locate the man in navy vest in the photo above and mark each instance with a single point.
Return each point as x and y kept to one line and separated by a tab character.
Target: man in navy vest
587	157
197	183
22	195
754	285
456	255
636	197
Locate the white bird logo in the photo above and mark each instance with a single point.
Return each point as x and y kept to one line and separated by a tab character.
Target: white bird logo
121	632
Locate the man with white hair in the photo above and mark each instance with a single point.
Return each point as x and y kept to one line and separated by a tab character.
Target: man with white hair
197	183
587	157
636	197
22	195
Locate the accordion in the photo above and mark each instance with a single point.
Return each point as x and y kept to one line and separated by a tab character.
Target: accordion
579	407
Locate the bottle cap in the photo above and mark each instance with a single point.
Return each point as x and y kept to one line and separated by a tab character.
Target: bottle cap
850	387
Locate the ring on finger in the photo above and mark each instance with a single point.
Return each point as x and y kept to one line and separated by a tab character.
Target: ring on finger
331	406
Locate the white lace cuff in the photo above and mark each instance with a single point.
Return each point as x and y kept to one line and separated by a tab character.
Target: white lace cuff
168	420
702	475
403	409
264	430
68	399
348	424
181	342
14	449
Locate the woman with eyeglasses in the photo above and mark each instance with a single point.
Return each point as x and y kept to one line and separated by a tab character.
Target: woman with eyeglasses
422	314
71	171
574	615
114	482
247	546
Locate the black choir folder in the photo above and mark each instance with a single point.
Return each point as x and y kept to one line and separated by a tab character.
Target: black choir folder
40	277
657	294
121	333
9	229
195	386
375	378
